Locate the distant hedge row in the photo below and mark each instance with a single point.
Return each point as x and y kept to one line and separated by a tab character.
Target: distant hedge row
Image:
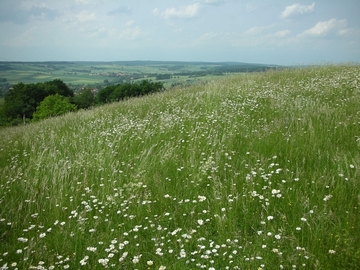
23	100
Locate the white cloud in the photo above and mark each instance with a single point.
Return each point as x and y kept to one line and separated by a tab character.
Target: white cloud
120	10
84	16
251	8
156	11
130	23
180	12
212	2
297	9
257	30
85	2
105	37
212	38
282	34
266	36
208	36
325	28
130	33
258	36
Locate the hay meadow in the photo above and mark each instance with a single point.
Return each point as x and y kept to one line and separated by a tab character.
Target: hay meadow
253	171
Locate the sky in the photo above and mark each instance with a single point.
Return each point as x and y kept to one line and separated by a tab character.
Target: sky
280	32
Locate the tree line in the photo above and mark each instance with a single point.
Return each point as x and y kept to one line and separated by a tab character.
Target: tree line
119	92
32	102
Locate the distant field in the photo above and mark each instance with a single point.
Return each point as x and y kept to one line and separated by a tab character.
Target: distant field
90	73
253	171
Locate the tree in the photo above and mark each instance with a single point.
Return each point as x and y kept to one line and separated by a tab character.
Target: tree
58	87
15	102
125	90
53	105
21	101
103	96
84	98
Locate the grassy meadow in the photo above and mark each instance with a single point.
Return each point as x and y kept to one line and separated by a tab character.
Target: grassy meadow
254	171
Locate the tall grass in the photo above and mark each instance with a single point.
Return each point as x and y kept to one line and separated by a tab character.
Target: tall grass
258	171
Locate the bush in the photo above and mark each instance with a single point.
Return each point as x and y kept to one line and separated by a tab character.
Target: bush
53	105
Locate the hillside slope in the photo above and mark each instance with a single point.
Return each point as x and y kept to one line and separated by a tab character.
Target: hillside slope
258	171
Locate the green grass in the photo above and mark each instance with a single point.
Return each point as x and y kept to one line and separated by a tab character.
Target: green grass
258	171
